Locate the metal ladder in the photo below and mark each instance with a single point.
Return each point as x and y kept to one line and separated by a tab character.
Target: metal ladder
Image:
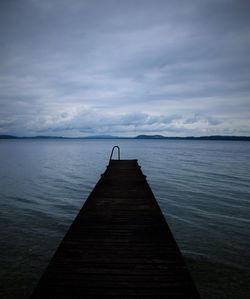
118	152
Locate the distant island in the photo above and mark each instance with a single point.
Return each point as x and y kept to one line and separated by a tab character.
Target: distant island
213	137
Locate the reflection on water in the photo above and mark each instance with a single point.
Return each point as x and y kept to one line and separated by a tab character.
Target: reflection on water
203	188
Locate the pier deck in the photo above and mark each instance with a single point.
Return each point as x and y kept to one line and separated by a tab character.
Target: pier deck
119	245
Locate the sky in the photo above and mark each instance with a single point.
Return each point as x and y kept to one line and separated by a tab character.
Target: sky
124	68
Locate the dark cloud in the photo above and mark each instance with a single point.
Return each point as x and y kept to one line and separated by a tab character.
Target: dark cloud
175	67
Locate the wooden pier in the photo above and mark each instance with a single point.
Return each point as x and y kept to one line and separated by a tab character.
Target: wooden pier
119	245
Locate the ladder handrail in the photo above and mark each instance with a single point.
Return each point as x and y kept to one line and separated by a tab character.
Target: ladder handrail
118	151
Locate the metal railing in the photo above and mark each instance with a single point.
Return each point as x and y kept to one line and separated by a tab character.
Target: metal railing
118	152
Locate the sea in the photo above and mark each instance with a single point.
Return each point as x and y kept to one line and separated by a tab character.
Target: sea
202	187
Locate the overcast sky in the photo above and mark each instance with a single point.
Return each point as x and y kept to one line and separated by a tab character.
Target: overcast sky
86	67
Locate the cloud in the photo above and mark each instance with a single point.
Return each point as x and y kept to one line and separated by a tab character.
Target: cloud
85	121
124	66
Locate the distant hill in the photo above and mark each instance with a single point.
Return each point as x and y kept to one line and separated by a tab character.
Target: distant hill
150	137
220	137
105	137
215	137
45	137
33	137
8	137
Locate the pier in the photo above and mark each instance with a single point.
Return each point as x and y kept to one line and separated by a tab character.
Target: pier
119	245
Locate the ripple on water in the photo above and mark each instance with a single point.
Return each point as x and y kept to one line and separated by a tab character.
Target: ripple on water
202	188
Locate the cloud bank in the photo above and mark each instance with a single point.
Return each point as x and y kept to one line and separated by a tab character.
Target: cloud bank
77	68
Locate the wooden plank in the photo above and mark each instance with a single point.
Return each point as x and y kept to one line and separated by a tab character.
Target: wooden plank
119	245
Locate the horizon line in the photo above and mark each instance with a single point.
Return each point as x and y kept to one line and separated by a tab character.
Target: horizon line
141	136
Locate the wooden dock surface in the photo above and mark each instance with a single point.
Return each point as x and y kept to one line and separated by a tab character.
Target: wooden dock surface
119	245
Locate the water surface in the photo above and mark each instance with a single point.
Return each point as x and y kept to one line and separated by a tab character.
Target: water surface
203	188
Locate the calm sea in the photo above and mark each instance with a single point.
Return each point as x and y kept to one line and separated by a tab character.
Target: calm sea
203	188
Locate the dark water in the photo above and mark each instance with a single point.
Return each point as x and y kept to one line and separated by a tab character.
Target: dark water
203	188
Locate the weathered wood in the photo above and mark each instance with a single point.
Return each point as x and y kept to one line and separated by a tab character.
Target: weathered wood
119	245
